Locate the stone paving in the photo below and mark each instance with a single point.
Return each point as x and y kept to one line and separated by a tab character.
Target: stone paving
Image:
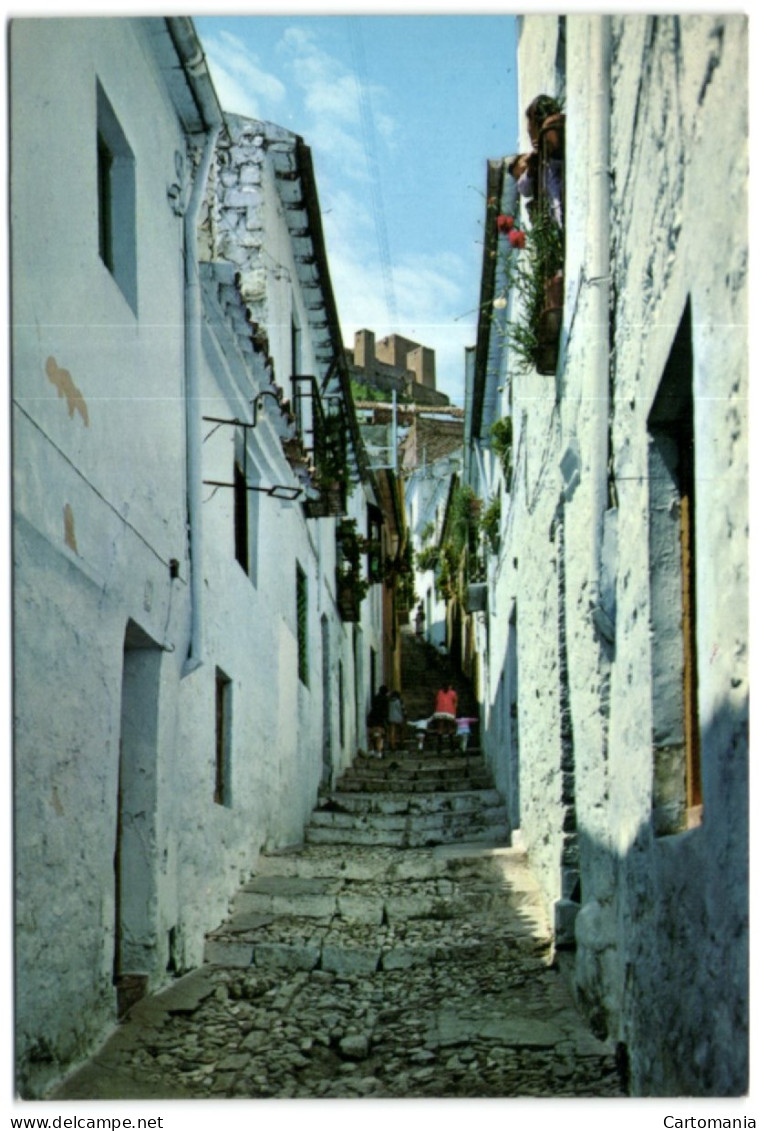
402	951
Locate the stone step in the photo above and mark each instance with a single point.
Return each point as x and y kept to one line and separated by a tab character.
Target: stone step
395	785
460	830
359	911
434	775
401	804
350	959
500	865
416	774
411	818
265	898
429	760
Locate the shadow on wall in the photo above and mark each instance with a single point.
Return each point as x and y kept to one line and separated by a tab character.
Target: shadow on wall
662	955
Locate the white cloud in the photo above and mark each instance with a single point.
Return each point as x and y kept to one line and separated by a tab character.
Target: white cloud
333	97
243	86
430	290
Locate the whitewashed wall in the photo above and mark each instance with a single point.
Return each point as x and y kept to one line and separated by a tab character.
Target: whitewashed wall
661	962
99	505
100	544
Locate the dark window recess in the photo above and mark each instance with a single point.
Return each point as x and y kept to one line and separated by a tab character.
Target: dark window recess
374	548
302	630
677	793
116	191
240	517
106	249
341	704
223	780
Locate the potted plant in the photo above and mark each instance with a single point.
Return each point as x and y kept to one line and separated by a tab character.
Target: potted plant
351	586
538	281
330	471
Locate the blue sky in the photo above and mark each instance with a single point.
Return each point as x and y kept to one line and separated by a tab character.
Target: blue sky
401	113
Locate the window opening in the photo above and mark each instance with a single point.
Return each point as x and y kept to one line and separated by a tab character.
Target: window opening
302	623
240	517
222	785
341	704
116	190
677	790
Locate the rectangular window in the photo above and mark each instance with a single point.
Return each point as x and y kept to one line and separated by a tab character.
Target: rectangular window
240	517
677	795
341	704
116	190
222	788
302	625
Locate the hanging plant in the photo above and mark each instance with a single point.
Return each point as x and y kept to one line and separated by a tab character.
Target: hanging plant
538	283
502	443
351	586
427	559
490	524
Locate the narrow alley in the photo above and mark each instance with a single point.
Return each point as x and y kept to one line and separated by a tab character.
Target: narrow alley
402	951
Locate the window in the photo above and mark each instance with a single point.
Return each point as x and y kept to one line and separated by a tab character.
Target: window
222	788
374	551
240	517
677	794
341	704
116	187
302	610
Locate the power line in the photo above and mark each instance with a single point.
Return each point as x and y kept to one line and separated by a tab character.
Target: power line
369	143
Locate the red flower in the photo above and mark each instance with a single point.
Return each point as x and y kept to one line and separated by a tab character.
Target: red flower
505	223
517	239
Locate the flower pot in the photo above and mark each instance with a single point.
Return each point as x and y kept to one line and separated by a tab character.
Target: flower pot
554	292
348	605
476	597
331	502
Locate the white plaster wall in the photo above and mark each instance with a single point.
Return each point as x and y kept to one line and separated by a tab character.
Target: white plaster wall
693	131
661	961
99	513
98	498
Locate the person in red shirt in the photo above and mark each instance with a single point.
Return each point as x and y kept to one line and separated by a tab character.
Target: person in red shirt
445	710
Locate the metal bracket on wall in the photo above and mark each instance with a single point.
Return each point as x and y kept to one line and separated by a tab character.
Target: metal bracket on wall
258	404
279	491
287	494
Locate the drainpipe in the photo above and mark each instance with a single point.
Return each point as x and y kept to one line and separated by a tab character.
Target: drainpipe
192	354
597	388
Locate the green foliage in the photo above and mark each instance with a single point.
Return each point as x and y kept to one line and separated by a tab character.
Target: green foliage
350	547
362	392
528	273
460	561
502	443
427	558
331	455
490	524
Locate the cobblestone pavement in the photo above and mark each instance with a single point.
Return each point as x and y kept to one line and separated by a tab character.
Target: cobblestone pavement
452	992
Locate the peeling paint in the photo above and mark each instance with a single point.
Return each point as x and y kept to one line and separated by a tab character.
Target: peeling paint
66	388
69	528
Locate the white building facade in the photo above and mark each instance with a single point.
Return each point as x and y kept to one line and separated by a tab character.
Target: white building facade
614	669
185	681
